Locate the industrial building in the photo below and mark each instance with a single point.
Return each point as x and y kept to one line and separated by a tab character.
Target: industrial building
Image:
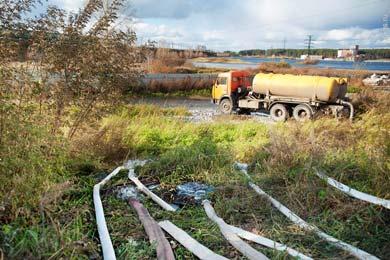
349	54
312	57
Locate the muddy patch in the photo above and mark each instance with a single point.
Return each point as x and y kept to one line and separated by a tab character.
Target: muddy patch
200	110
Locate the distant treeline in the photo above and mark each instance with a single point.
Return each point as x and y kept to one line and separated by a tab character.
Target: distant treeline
330	53
327	53
375	53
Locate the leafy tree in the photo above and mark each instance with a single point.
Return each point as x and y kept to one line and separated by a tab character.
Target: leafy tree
73	59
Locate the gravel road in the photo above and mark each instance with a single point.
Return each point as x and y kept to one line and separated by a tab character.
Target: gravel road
202	110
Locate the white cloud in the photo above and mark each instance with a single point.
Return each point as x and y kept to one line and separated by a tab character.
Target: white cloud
338	35
357	35
243	24
156	31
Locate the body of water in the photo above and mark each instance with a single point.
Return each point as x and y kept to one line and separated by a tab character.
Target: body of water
253	62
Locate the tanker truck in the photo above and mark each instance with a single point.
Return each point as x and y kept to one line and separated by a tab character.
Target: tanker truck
281	95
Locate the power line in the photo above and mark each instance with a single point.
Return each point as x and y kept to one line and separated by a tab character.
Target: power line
309	43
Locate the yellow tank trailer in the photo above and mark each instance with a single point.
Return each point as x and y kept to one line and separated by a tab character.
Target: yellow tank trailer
302	97
311	87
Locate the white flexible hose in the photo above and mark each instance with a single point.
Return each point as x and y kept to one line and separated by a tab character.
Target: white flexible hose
230	236
104	235
268	243
360	254
130	165
188	242
352	192
153	196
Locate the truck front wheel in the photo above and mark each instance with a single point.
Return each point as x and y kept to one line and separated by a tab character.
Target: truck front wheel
226	106
279	113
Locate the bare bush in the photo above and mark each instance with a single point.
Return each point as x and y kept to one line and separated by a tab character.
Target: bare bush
163	60
272	66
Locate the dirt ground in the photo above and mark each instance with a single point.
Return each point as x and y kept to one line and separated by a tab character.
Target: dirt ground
201	109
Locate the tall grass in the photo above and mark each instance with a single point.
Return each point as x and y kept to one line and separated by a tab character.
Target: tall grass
356	155
150	131
37	172
32	160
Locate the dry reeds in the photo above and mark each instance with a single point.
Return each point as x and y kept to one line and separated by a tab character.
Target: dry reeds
174	85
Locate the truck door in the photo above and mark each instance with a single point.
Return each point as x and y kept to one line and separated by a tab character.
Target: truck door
220	88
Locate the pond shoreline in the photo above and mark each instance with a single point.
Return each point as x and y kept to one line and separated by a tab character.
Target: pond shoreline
254	62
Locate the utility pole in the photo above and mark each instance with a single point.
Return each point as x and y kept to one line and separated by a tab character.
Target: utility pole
284	45
309	44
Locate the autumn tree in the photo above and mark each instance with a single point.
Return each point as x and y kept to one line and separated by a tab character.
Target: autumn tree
75	59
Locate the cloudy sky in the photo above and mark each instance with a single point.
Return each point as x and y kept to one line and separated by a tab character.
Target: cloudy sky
249	24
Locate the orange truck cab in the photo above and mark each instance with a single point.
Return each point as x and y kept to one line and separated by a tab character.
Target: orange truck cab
229	87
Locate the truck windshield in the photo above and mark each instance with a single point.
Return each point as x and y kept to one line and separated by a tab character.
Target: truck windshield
222	80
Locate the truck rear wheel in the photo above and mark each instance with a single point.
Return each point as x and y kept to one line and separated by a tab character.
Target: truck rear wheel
302	113
279	113
226	106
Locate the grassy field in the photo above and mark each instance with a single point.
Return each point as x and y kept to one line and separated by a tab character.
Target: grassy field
46	197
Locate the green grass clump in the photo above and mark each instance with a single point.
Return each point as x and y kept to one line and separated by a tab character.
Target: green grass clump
148	131
32	161
354	89
37	176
